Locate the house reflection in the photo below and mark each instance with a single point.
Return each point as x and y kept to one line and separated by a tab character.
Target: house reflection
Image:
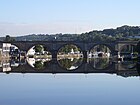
6	66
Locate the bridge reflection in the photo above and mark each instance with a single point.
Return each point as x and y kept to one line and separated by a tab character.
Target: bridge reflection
125	69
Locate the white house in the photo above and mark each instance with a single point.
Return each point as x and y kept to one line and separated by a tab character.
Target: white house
6	67
6	49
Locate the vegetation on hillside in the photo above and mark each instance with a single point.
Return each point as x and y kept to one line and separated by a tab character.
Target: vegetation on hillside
120	33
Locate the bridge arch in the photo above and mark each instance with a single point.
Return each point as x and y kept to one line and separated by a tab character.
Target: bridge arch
43	44
68	66
112	50
130	65
128	49
16	45
38	68
69	56
27	68
65	44
72	46
105	65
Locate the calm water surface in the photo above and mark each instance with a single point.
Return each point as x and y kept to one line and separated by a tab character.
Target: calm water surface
68	89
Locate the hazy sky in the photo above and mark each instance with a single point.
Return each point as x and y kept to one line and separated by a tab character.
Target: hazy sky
19	17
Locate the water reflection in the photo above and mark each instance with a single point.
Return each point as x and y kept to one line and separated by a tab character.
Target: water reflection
129	64
70	57
100	63
38	63
70	63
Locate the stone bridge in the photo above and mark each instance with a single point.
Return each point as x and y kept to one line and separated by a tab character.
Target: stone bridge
54	46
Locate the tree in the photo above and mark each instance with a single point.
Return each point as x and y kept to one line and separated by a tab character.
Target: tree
67	49
98	38
7	38
39	48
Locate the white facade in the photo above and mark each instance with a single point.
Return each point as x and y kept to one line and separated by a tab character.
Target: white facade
6	67
6	47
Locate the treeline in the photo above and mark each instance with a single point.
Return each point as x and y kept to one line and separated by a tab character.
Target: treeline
120	33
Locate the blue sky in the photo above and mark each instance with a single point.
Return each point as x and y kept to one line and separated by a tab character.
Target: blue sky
20	17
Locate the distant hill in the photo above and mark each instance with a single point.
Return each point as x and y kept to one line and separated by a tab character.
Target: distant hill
120	33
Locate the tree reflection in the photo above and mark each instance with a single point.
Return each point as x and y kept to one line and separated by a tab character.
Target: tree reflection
100	63
39	65
70	64
70	57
